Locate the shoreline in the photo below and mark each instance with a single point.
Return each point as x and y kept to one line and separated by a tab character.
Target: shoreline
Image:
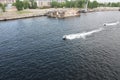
23	17
30	13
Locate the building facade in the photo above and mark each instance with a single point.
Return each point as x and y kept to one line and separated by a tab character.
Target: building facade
7	1
46	3
42	3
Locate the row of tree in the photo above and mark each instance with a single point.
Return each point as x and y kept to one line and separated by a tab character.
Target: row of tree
112	4
68	4
31	4
75	4
81	4
20	5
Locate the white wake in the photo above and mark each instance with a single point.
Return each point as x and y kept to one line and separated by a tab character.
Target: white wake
82	35
111	24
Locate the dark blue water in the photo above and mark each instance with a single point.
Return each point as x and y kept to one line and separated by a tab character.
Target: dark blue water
33	49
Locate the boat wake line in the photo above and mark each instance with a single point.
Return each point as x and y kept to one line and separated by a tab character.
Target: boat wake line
85	34
111	24
81	35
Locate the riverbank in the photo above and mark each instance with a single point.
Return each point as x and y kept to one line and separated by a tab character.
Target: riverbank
28	13
12	15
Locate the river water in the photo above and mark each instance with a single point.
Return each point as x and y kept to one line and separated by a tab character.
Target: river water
33	49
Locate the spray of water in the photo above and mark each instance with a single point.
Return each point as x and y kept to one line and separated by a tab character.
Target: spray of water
81	35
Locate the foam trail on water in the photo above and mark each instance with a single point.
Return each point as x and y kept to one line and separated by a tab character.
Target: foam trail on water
111	24
82	35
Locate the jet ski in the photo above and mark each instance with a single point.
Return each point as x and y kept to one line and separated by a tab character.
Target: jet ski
104	24
64	38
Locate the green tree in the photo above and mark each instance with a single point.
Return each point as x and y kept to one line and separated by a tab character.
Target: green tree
13	4
81	3
93	4
19	5
115	4
54	4
2	6
68	3
90	5
26	4
62	4
75	3
109	4
33	4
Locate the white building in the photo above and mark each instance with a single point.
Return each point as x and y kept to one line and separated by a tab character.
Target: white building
42	3
46	3
7	1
